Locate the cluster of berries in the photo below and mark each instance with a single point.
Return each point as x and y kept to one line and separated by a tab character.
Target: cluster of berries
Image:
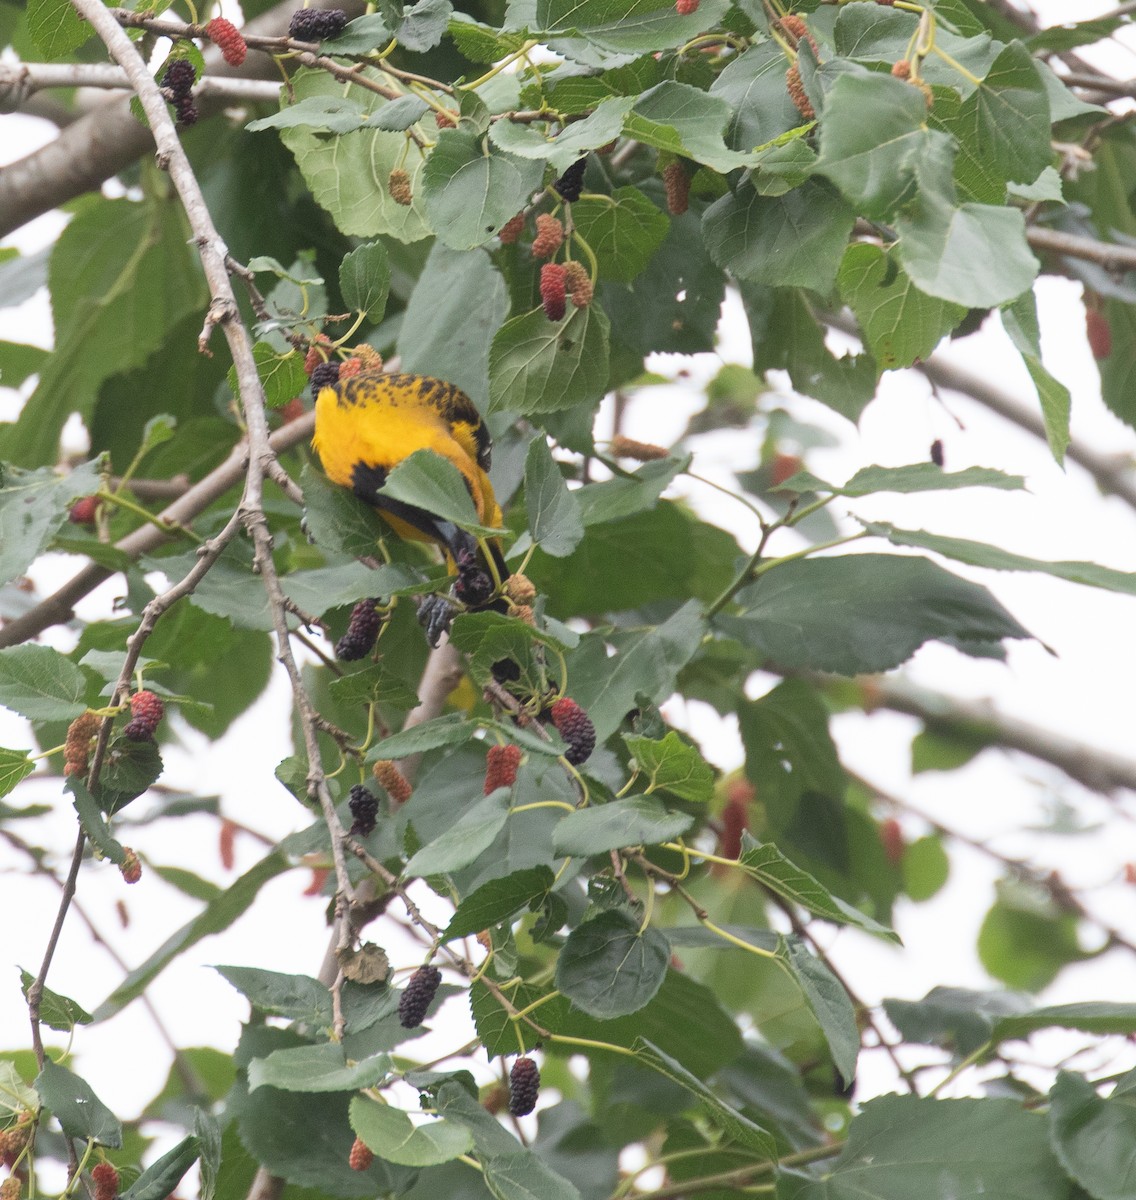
416	996
317	24
146	712
13	1141
560	282
364	806
228	39
178	79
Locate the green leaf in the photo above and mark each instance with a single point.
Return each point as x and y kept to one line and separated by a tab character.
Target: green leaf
392	1135
41	684
958	1019
160	1179
1019	320
469	837
542	366
873	134
796	239
979	554
863	613
56	28
624	233
1087	1016
456	307
753	85
601	126
901	324
765	863
76	1107
336	519
1025	939
208	1131
633	821
736	1127
498	900
298	997
983	1147
673	765
216	916
1094	1139
1005	120
918	477
56	1011
348	174
364	280
686	121
374	684
522	1176
471	189
15	1095
971	254
553	511
130	768
364	34
14	766
830	1004
92	821
926	868
449	730
19	360
424	25
646	664
33	505
609	967
319	1068
281	375
429	481
324	114
123	274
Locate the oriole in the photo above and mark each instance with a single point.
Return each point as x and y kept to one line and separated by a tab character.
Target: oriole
366	425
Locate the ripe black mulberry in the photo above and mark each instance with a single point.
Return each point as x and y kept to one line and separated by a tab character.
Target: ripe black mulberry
416	996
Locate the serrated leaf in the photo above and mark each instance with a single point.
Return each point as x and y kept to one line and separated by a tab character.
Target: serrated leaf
1094	1138
980	554
633	821
323	114
14	766
863	613
624	232
523	1176
765	863
609	967
449	730
364	280
796	239
427	480
319	1068
471	189
497	901
469	837
76	1107
542	366
553	511
298	997
41	684
281	375
348	174
672	765
900	324
56	1011
734	1125
686	121
917	477
392	1135
33	505
830	1004
15	1095
56	28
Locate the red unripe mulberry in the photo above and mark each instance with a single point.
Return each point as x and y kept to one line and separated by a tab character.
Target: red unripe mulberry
797	94
578	284
1099	333
549	236
227	38
83	510
146	711
553	293
511	230
892	840
105	1176
394	782
361	1155
501	765
685	7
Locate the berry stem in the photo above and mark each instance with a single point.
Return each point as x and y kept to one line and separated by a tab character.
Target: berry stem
589	254
507	61
540	804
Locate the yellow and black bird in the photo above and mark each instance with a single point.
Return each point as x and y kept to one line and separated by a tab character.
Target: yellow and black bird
369	423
